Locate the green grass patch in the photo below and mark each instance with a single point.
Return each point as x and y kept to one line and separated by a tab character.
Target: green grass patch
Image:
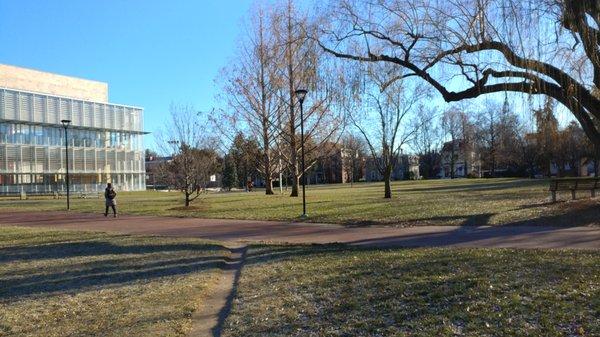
329	291
426	202
67	283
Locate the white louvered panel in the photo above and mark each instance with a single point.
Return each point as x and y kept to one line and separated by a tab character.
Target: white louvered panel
25	106
27	158
127	118
10	105
126	161
101	159
88	114
121	161
119	111
95	115
65	109
41	162
77	112
55	159
39	103
136	162
105	113
110	116
2	157
52	114
111	161
90	165
78	159
12	158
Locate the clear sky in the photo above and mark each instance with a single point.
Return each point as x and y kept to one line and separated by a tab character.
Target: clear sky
150	52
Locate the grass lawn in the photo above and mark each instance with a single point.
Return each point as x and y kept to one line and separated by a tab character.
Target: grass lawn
329	291
432	202
61	283
67	283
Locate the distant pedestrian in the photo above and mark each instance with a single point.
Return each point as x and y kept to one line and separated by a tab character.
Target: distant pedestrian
110	199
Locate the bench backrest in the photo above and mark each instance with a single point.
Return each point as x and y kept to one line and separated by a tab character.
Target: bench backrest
564	184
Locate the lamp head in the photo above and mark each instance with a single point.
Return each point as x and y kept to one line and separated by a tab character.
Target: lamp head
301	94
65	122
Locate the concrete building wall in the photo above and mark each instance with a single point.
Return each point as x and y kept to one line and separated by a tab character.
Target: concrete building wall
52	84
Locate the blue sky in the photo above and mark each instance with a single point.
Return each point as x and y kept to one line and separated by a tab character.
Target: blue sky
150	52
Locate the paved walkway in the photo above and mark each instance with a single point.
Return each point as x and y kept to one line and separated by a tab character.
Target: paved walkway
235	231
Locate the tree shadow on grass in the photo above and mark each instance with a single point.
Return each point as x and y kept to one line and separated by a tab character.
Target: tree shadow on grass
485	186
76	266
436	285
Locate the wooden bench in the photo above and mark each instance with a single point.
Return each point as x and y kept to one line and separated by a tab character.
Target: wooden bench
89	195
574	185
80	195
54	195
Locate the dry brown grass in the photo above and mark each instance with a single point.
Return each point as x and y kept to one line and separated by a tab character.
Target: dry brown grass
61	283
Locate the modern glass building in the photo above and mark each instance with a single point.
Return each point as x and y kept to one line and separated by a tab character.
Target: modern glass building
104	139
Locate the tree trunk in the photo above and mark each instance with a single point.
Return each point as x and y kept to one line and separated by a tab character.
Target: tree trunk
387	180
291	88
187	199
269	185
267	161
295	182
452	164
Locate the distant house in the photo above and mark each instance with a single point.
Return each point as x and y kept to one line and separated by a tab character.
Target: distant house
328	169
154	179
588	167
585	169
406	168
463	157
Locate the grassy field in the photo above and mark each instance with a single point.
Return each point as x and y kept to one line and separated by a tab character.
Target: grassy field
60	283
66	283
433	202
329	291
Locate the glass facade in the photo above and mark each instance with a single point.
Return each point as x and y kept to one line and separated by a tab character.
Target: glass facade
105	144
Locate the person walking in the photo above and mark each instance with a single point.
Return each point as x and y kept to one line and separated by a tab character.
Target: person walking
110	199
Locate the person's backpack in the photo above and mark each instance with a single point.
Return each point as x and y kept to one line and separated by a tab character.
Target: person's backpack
112	194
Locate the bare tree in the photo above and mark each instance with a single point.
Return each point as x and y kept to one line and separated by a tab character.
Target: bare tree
353	152
427	141
302	66
496	136
546	136
183	136
190	170
382	113
451	126
251	85
466	48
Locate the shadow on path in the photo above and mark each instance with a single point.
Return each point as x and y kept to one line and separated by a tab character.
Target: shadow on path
239	256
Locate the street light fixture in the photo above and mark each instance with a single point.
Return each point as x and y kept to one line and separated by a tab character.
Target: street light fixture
66	123
174	144
301	95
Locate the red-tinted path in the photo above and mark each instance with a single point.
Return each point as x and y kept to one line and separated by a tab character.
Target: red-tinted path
280	232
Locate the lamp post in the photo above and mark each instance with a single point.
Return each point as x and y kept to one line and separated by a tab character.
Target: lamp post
65	123
301	94
174	144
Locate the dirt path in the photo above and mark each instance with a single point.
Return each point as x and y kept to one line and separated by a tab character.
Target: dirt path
209	319
284	232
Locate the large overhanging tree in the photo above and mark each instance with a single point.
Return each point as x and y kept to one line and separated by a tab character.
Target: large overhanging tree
468	48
